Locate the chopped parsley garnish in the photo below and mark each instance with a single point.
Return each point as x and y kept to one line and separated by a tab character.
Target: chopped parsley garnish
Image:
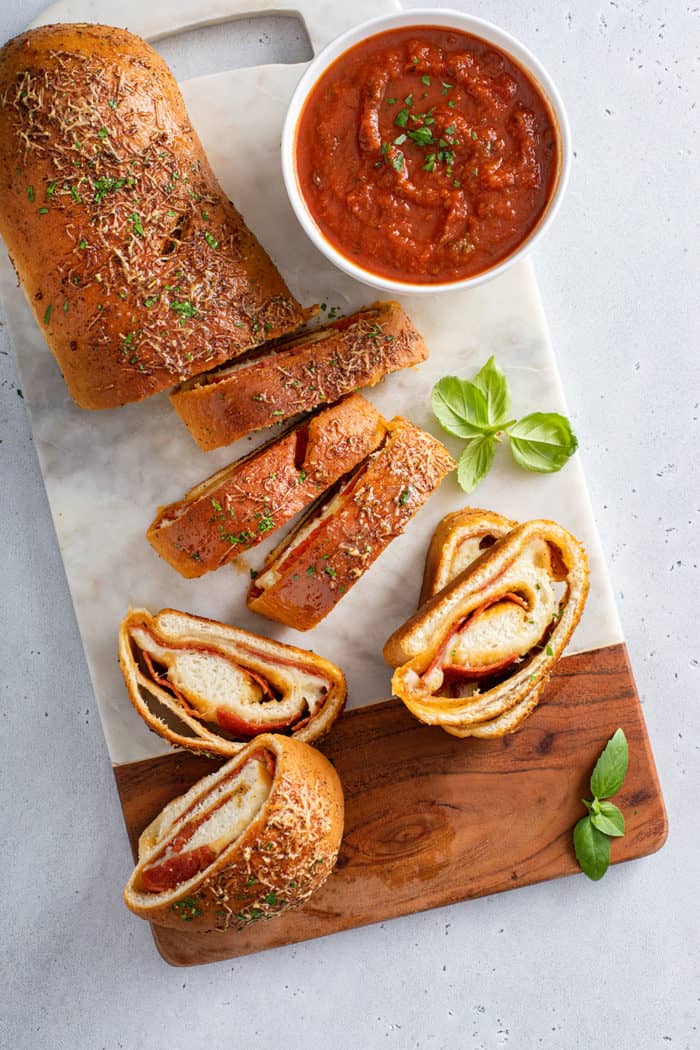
75	195
211	239
50	190
150	301
47	315
103	133
408	100
421	136
43	211
184	309
311	571
82	244
474	135
399	140
271	898
104	185
401	118
330	571
445	87
425	79
397	160
113	103
391	101
30	194
205	216
138	228
430	162
403	498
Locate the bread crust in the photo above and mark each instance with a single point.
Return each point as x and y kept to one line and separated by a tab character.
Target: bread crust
139	271
298	374
413	647
374	506
287	851
264	656
237	508
459	539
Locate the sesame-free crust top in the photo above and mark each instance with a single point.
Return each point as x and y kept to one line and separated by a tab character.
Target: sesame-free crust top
298	374
139	270
338	540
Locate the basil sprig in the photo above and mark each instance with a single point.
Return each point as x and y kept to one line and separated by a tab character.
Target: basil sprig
592	834
477	411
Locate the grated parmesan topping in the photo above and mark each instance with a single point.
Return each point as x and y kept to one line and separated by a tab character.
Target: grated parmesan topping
170	262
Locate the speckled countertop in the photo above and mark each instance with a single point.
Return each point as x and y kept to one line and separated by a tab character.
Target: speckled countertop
567	965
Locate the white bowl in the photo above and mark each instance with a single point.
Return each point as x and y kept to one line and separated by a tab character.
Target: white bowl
422	17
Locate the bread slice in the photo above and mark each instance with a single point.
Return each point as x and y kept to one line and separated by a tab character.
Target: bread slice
342	535
297	375
239	506
244	844
210	687
139	270
476	656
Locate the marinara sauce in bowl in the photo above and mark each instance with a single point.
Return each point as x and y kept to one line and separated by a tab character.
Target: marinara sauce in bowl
425	151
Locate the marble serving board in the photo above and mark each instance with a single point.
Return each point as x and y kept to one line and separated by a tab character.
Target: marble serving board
107	472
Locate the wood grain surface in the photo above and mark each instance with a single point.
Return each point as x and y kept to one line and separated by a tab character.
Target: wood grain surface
431	819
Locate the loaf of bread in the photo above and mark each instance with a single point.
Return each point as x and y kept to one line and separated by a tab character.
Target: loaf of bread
298	374
476	657
243	503
305	577
246	843
209	687
138	269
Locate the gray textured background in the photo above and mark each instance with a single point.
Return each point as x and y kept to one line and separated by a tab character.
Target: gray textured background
566	965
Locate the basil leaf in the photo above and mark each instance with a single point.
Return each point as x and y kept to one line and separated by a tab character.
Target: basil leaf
542	442
493	384
475	461
460	407
608	819
592	849
610	769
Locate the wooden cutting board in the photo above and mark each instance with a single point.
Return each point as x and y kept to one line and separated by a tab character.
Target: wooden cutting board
430	819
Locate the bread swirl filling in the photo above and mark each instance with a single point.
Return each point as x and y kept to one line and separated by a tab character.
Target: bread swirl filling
503	629
201	831
242	696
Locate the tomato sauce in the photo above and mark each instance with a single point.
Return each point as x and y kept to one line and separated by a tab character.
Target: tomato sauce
426	155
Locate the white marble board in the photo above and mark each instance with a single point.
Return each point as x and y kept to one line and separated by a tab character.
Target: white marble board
106	472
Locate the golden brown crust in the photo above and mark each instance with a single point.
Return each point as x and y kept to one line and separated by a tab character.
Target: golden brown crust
373	508
240	505
296	376
138	269
459	539
267	658
285	854
414	647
